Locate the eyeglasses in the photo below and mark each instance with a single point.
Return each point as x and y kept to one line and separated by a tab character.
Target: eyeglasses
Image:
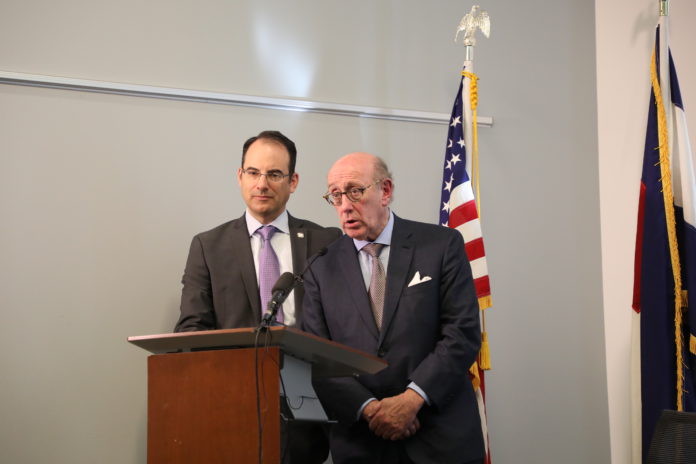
353	194
273	176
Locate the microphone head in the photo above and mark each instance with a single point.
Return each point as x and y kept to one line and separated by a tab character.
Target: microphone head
284	283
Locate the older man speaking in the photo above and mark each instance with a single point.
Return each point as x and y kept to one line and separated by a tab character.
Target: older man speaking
402	290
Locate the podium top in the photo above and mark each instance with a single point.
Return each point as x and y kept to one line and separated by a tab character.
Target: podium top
328	359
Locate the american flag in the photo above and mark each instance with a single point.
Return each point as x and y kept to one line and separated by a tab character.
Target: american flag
459	211
458	206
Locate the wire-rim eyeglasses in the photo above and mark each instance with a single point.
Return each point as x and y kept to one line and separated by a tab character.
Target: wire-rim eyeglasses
272	176
354	194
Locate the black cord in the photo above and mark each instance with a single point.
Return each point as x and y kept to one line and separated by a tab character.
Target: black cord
284	446
301	397
258	396
259	379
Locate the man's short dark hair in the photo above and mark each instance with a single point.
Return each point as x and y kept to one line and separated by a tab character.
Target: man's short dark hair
279	138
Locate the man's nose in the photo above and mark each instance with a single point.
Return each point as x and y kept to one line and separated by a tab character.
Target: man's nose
262	182
346	206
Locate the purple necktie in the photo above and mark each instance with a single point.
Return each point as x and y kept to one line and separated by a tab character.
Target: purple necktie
269	269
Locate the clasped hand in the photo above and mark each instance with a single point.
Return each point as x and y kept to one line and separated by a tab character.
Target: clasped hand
394	418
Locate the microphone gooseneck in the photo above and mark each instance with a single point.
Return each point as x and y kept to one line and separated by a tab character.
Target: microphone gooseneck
299	278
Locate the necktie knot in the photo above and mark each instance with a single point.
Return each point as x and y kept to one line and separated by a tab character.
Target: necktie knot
373	249
266	232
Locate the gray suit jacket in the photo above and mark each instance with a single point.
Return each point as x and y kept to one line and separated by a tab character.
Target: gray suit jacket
430	335
220	286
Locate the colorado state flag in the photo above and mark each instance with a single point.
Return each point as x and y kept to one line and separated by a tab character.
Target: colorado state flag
665	260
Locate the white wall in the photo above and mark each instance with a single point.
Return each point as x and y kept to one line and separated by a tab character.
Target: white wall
541	224
100	194
625	36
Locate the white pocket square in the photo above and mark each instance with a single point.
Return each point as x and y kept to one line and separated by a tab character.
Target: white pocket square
418	280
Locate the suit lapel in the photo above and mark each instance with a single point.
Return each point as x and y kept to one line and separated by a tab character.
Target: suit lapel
298	246
400	256
241	242
353	279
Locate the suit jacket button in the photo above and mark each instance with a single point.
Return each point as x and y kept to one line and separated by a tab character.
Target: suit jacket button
381	353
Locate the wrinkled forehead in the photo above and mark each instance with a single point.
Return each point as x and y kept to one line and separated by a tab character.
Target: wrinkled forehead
350	173
343	179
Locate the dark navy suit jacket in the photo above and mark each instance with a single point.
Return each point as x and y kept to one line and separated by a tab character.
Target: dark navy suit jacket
430	335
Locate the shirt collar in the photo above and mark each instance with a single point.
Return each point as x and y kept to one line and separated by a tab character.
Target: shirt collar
280	223
384	238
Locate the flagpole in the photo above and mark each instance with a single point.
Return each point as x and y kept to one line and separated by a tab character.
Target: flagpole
475	19
467	75
468	140
468	67
664	7
471	163
664	65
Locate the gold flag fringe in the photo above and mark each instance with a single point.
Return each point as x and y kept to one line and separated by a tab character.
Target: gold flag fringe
484	357
485	353
473	99
668	197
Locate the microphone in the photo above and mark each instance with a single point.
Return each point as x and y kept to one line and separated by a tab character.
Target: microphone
280	291
282	288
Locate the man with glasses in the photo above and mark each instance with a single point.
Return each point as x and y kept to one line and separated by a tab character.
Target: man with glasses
231	269
403	291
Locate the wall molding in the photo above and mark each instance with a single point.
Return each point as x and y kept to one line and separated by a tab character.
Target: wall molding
222	98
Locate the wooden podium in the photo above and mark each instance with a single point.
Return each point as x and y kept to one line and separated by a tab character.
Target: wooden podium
202	401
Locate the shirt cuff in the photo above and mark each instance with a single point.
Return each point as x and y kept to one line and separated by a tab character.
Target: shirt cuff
418	390
362	408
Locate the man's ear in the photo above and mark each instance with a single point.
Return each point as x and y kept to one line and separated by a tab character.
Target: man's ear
294	180
387	191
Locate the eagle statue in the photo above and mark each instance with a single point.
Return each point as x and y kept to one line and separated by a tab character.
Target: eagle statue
475	19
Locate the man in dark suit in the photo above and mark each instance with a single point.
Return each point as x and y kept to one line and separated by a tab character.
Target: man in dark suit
223	271
403	291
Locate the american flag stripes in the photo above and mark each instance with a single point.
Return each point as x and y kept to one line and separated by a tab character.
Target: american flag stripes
458	206
459	211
